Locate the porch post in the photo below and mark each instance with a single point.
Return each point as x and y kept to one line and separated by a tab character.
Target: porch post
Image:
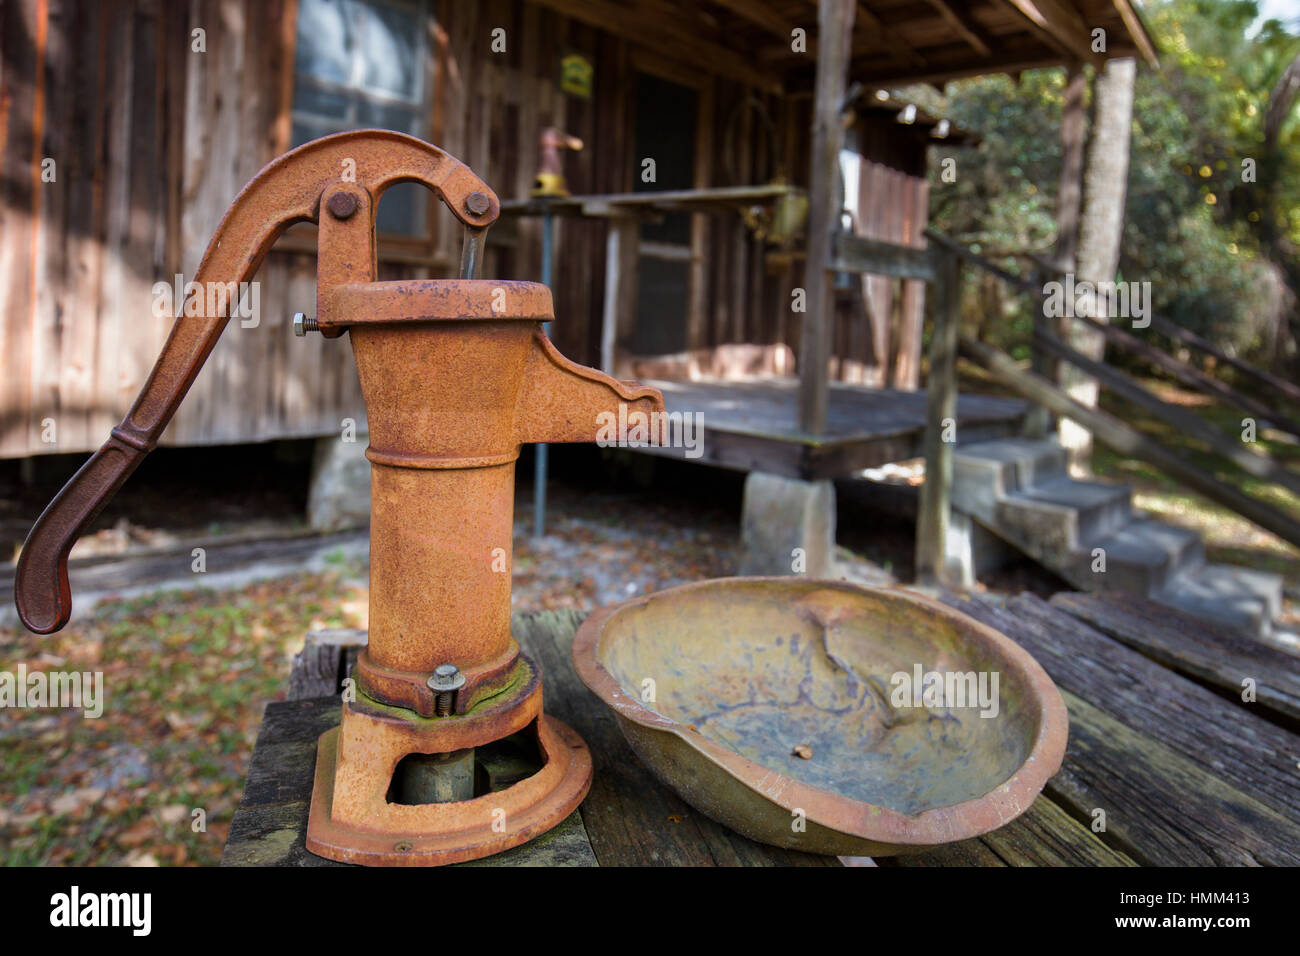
933	520
834	32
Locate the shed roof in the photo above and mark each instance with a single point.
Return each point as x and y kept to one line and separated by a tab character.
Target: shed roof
894	41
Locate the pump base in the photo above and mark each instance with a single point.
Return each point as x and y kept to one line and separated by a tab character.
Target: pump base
436	834
354	818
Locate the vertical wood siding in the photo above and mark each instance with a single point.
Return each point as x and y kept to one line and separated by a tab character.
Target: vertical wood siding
152	141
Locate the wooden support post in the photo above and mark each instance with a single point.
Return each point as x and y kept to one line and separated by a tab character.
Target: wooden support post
940	428
834	31
619	314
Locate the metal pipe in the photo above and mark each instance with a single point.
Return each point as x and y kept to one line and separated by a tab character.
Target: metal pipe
540	462
471	252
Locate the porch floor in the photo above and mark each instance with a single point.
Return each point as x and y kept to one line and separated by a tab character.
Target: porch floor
752	425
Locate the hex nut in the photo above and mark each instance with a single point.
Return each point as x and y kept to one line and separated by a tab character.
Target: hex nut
446	677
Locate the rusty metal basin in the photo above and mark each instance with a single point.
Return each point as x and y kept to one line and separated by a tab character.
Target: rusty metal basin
775	707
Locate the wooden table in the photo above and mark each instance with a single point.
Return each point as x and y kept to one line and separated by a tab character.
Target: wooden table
1166	763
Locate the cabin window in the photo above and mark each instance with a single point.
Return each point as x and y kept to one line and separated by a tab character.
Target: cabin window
361	64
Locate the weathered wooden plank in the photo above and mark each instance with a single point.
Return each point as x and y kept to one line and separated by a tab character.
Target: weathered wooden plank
325	660
276	835
1201	650
1048	836
1044	835
964	853
630	818
270	827
50	251
834	20
620	290
1161	808
83	132
112	367
907	363
860	254
1222	737
22	39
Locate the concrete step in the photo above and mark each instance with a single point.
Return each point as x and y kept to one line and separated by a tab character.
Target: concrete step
1059	516
1143	557
1235	597
985	471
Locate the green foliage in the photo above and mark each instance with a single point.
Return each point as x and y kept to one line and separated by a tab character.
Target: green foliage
1194	225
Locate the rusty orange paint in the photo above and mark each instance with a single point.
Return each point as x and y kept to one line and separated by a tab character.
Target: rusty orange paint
457	375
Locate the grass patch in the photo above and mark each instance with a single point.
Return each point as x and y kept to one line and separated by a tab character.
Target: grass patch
186	677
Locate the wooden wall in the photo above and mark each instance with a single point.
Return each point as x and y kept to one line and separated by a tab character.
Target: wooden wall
151	141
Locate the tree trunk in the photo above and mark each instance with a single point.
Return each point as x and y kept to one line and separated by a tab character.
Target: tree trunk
1278	249
1069	196
1101	228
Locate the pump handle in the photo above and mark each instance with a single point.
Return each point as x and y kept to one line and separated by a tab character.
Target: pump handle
286	191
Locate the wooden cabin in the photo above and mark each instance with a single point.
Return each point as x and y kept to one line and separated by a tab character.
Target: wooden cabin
129	125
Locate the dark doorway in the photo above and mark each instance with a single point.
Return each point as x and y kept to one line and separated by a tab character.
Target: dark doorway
665	132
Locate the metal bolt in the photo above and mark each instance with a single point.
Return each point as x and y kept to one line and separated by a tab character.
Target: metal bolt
302	324
477	203
342	205
446	679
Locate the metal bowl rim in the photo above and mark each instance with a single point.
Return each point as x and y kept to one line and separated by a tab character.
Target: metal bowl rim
933	827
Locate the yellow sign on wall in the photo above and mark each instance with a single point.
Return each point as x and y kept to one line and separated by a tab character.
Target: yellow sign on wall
576	74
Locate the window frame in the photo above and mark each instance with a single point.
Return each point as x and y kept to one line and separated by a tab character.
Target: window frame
419	249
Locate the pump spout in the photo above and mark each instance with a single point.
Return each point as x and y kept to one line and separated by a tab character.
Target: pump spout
562	401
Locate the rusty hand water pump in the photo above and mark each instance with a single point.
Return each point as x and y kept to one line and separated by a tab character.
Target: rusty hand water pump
457	374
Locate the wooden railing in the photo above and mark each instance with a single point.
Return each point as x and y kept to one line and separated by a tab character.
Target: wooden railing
939	265
1039	385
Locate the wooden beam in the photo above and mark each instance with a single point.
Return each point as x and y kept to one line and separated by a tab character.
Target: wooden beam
853	253
618	314
962	22
683	43
835	27
884	37
869	70
1138	31
760	14
1060	25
